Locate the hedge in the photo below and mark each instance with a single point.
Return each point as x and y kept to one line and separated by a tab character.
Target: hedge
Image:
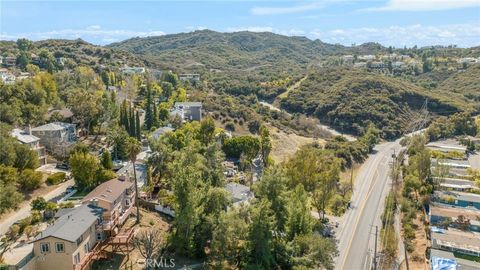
56	178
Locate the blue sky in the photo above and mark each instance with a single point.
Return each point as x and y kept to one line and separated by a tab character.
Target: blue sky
391	22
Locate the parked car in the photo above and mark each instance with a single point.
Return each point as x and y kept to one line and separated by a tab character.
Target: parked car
62	166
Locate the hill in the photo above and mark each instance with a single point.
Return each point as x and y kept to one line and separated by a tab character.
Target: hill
73	53
210	50
464	82
350	98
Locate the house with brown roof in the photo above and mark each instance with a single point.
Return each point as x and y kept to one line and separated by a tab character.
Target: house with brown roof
117	198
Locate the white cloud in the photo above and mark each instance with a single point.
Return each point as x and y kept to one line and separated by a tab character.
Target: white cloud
286	10
93	33
425	5
464	35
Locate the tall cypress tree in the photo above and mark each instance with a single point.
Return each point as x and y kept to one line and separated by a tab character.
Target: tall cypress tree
148	109
132	123
155	115
137	126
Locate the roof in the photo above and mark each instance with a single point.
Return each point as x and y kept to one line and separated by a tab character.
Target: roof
456	183
141	170
188	104
239	192
453	212
23	136
73	224
65	113
462	263
108	191
464	196
447	144
52	126
457	239
161	130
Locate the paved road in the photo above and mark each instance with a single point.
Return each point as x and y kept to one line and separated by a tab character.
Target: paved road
26	210
356	233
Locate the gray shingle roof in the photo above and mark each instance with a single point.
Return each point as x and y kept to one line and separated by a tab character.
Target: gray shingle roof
23	136
73	224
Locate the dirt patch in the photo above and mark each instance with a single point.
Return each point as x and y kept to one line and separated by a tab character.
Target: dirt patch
416	259
286	144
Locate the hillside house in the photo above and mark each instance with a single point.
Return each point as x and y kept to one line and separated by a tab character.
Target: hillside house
132	70
457	199
69	241
33	143
57	137
6	76
187	111
10	61
240	194
159	132
193	78
117	198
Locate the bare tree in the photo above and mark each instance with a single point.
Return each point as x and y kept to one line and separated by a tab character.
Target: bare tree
150	242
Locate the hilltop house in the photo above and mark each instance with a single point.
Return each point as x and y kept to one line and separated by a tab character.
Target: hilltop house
188	111
116	197
33	143
68	242
57	137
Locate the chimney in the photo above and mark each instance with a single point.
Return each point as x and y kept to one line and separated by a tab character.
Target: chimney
94	202
28	129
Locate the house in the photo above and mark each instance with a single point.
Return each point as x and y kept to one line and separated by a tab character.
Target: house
456	168
160	131
189	77
112	88
127	173
10	61
447	146
239	193
132	70
438	215
454	240
360	65
348	59
457	199
68	243
440	259
188	111
57	137
376	64
116	197
6	76
398	64
366	57
33	143
457	184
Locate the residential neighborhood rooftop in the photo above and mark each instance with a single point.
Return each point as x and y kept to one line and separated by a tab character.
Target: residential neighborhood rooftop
108	191
73	224
23	136
447	144
52	126
464	196
457	239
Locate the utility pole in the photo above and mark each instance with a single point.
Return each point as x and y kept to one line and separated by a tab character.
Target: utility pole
375	254
351	177
406	255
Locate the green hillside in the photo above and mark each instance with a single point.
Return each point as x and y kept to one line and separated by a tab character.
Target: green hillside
464	82
349	99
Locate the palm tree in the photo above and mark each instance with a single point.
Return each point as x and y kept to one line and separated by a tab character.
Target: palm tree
133	148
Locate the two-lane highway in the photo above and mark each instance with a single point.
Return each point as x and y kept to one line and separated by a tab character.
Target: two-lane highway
357	231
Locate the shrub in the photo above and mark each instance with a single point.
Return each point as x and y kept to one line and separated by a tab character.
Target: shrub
30	180
56	178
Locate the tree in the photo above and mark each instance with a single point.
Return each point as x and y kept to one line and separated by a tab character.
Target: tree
30	180
265	144
24	44
247	145
299	219
206	134
133	149
138	133
273	187
326	187
25	158
84	169
38	204
312	251
260	237
106	160
150	243
149	117
7	240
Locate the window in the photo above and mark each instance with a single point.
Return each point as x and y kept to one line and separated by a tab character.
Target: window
99	236
45	247
86	247
76	258
80	240
59	247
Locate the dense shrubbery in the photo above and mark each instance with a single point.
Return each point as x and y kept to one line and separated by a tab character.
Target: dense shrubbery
56	178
